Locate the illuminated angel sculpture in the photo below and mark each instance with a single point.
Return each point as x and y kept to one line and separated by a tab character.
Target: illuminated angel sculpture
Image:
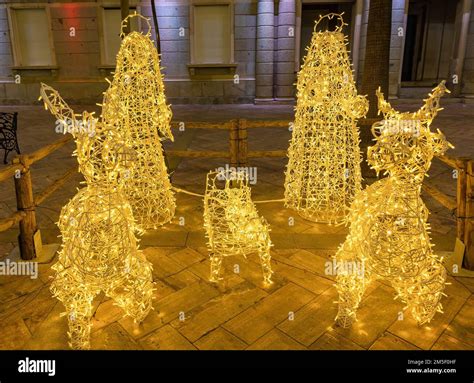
136	101
99	249
323	173
389	234
232	223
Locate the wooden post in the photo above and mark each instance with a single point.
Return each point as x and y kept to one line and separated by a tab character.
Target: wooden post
461	200
234	143
243	143
469	217
25	203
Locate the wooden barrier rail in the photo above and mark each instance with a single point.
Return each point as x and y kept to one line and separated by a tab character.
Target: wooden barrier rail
26	201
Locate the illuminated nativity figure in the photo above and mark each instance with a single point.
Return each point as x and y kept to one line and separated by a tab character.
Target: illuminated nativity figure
232	223
136	101
99	250
323	173
389	234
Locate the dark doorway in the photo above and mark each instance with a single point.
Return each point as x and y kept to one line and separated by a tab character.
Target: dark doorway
428	41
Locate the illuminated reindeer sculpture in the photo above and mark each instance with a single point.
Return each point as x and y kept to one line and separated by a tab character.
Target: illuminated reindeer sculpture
99	249
389	233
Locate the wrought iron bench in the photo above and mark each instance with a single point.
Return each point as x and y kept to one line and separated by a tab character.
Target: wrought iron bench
8	137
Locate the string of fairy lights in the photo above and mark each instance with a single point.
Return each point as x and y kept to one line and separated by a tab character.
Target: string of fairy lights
389	233
127	188
323	172
99	249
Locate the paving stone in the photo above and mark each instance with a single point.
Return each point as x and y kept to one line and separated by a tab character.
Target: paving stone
377	311
467	282
13	286
182	279
303	278
334	341
462	326
391	342
454	287
220	339
166	338
229	280
446	342
14	334
221	310
425	336
307	260
185	300
152	322
163	265
186	256
313	319
113	337
164	238
262	317
107	313
52	333
35	308
276	340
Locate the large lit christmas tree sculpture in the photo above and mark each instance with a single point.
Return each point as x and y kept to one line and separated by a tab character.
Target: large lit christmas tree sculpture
99	250
389	235
136	101
323	172
232	223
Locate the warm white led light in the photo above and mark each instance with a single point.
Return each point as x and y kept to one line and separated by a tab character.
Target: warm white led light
389	233
323	172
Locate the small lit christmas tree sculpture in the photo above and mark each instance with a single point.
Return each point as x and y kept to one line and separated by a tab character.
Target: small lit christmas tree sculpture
232	223
323	172
389	233
99	250
136	101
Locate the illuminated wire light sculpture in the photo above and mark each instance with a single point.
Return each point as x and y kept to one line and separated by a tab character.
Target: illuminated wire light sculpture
99	250
136	101
232	223
389	233
323	172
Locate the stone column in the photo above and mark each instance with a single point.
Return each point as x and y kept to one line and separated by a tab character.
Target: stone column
357	10
397	46
285	55
463	16
265	48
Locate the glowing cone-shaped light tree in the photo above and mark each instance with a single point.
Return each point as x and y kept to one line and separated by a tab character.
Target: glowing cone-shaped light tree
323	172
136	101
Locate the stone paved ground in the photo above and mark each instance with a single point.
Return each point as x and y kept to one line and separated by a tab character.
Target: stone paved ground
240	312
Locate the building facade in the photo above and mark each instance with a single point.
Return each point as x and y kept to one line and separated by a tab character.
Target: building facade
225	51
